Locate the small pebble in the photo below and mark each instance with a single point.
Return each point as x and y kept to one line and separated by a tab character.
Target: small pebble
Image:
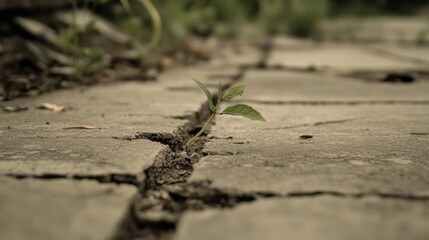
306	137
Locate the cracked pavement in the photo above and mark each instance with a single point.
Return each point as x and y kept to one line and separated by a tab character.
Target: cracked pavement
341	157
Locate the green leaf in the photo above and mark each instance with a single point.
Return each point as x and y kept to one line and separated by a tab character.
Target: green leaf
207	92
234	92
244	111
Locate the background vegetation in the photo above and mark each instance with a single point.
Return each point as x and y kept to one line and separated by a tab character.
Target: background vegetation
232	17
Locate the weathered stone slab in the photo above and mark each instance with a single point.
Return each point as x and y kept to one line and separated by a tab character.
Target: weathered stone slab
236	56
61	209
206	73
362	137
353	149
329	218
34	141
274	86
411	52
338	57
377	29
284	42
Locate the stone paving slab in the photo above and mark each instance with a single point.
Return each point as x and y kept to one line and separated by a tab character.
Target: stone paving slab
242	54
61	209
284	86
362	142
377	29
329	218
205	72
338	57
411	52
282	42
30	145
354	149
362	137
34	141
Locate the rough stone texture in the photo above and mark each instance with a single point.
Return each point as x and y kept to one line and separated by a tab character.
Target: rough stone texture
61	209
275	86
379	29
362	142
324	218
240	54
338	57
419	54
362	137
325	135
34	141
354	149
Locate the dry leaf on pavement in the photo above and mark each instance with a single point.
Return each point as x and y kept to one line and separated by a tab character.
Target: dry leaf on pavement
80	127
52	107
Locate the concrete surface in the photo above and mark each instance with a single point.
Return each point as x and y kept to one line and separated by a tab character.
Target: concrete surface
354	149
35	143
377	29
337	57
285	86
345	158
329	218
61	209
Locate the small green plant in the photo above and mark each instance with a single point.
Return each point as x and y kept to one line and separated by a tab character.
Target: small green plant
86	59
237	110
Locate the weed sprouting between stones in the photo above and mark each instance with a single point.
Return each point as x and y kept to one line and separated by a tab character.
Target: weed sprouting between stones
237	110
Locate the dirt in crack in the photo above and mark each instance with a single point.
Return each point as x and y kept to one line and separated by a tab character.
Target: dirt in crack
155	212
167	195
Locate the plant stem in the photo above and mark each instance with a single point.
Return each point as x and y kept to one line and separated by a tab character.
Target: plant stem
206	125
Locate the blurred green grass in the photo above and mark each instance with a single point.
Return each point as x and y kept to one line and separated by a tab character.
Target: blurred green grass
297	17
248	18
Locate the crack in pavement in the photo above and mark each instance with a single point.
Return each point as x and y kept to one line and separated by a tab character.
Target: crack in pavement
406	197
171	140
155	213
162	209
172	166
117	178
167	194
